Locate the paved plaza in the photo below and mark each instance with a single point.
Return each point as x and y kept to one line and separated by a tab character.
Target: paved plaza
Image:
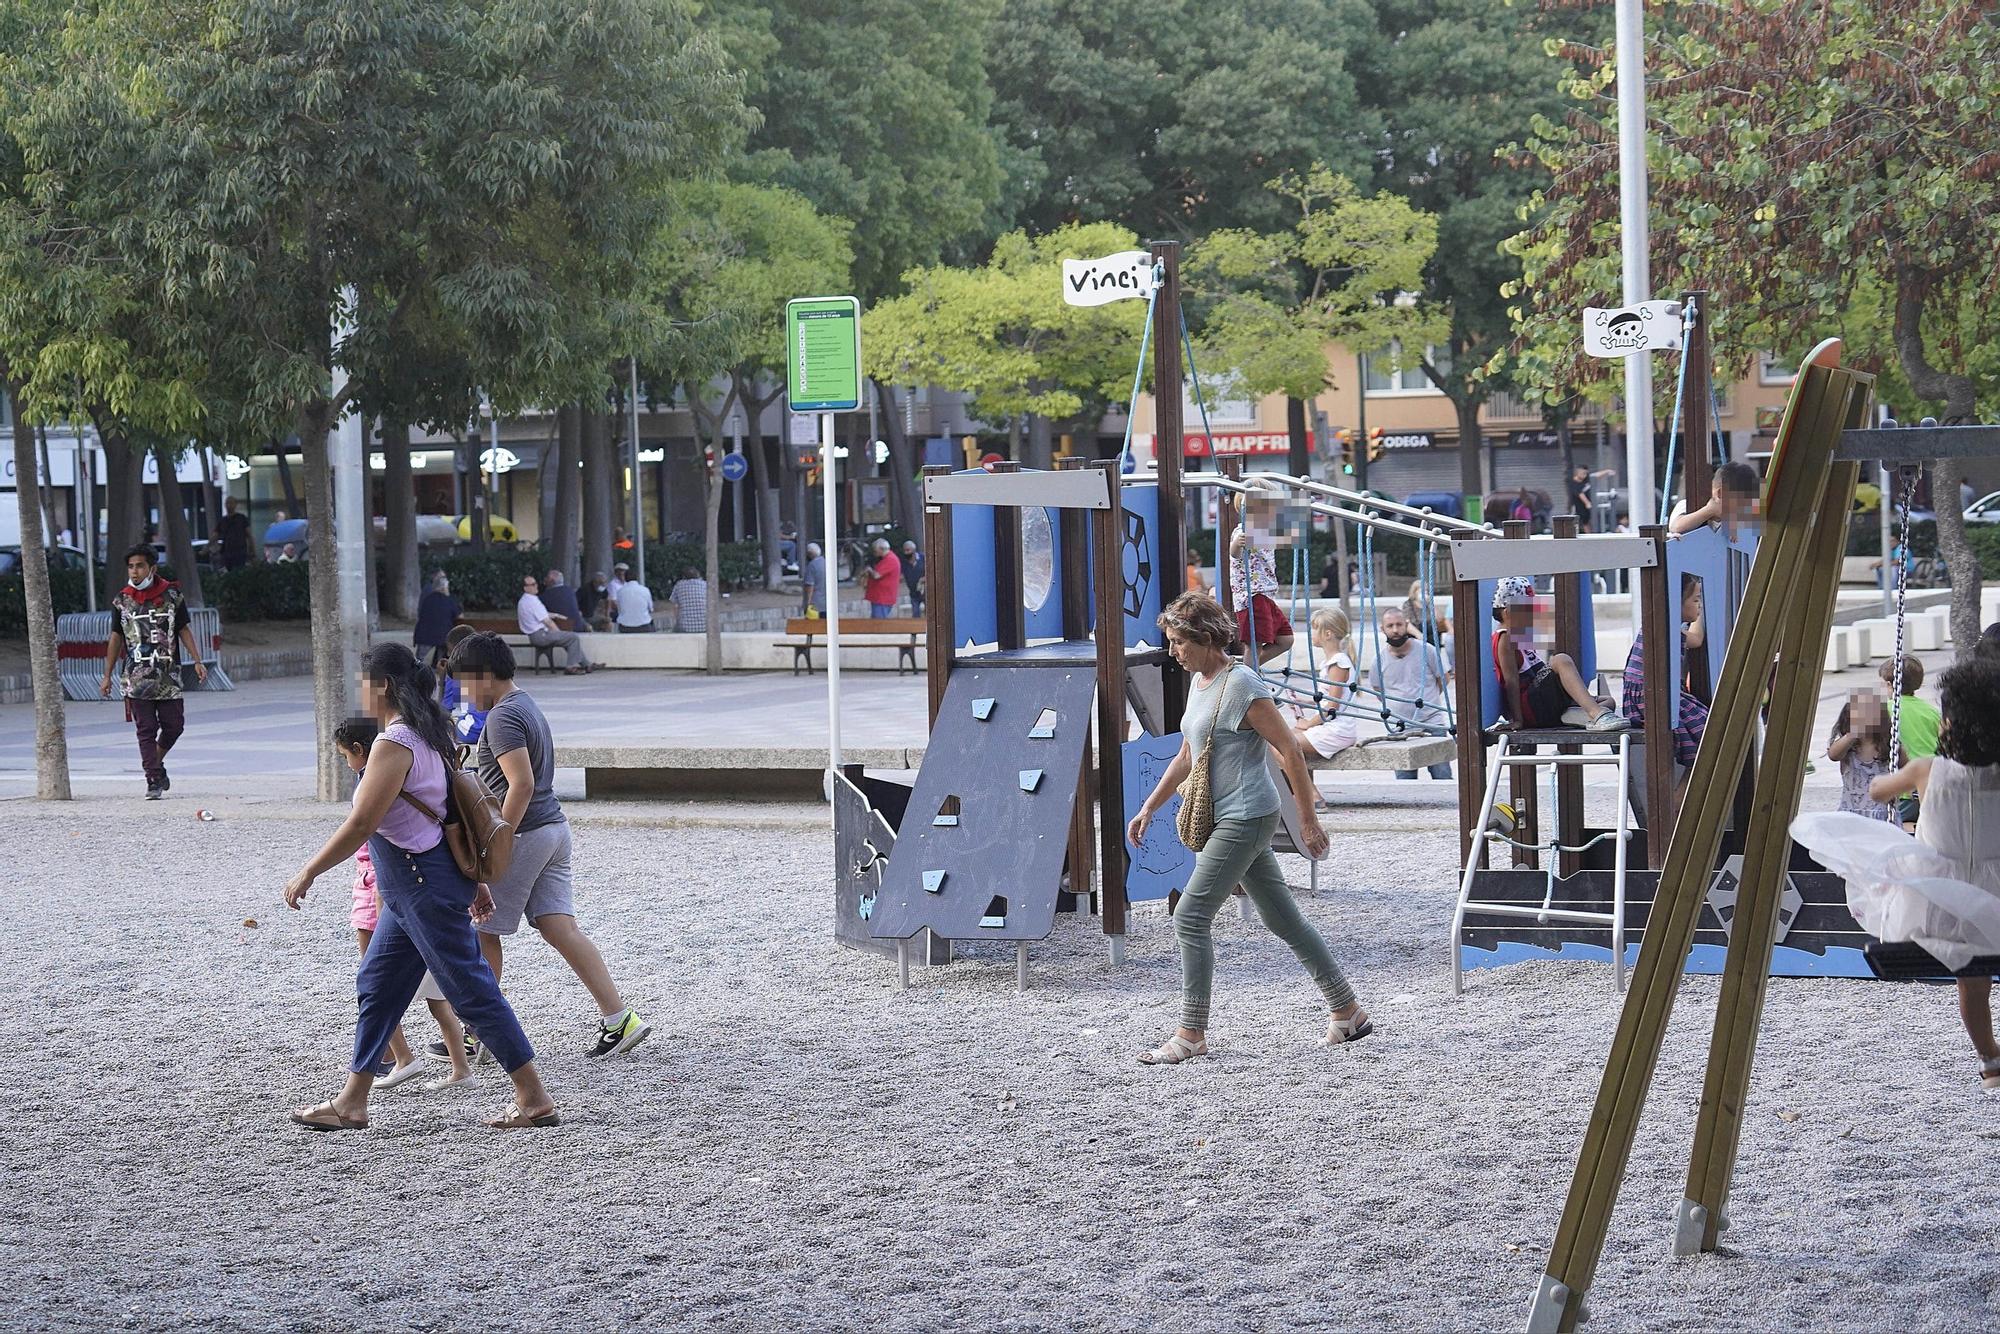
801	1144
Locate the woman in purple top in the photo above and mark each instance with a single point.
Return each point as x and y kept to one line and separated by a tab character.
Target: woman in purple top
428	906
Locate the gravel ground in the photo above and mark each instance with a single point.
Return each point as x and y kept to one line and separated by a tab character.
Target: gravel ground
802	1145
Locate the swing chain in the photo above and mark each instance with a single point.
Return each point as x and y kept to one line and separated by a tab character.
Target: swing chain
1909	476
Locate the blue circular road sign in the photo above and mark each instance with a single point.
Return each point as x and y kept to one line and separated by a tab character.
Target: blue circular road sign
735	467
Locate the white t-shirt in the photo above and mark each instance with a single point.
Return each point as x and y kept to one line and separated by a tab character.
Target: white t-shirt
1416	675
532	614
635	603
1330	738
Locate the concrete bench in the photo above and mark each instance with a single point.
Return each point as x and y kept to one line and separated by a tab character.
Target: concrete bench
755	773
1386	754
904	633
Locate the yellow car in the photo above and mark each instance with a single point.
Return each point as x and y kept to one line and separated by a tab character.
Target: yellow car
498	529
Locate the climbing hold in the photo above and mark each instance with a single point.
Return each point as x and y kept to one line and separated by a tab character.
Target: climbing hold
982	709
993	921
933	881
947	816
1030	779
1045	726
996	912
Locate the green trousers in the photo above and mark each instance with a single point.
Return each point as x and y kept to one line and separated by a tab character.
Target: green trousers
1239	853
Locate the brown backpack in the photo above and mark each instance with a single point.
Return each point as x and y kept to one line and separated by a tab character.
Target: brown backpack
479	837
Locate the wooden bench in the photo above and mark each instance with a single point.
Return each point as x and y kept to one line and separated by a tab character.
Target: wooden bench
753	773
904	633
509	629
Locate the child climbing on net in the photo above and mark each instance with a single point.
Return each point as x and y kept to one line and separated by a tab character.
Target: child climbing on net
1253	577
1940	889
1329	727
1535	692
353	739
1860	746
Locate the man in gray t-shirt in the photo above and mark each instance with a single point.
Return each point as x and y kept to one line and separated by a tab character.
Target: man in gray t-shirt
516	760
1410	674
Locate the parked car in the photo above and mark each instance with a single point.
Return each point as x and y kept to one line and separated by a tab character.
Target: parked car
60	558
1986	509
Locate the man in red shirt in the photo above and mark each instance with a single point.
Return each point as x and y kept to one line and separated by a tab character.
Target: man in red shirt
885	576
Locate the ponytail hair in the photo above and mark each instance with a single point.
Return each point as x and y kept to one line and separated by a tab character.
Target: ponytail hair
413	690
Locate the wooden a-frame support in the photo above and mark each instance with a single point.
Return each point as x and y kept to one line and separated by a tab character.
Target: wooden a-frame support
1786	614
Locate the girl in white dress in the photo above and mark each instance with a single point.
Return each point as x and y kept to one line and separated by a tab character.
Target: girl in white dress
1941	889
1330	728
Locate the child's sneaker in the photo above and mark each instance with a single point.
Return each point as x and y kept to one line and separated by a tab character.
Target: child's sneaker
473	1051
621	1036
1608	721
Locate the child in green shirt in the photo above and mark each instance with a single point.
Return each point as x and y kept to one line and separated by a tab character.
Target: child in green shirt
1917	723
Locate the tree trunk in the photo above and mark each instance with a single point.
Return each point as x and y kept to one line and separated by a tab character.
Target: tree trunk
903	466
563	551
50	527
330	684
124	471
598	487
1958	394
762	480
476	517
399	528
1471	441
51	743
173	517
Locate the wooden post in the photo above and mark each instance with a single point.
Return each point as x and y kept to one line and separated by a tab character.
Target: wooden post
1470	625
1108	526
1569	639
1170	542
940	604
1695	403
1230	466
1783	590
1521	787
1074	585
1659	623
1012	611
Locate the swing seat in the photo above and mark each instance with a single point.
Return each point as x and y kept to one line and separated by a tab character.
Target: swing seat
1906	962
1387	753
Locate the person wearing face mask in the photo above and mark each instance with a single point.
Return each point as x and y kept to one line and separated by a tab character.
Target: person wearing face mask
149	623
1411	677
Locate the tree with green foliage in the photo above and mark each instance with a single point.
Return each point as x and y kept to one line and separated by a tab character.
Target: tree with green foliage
1450	83
725	262
1167	116
385	162
1268	304
1003	334
1819	168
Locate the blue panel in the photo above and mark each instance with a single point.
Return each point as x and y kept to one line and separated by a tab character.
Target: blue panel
1838	961
941	451
1045	621
1161	865
1140	574
975	583
1705	555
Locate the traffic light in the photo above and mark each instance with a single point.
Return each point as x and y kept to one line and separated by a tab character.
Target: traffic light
1374	444
1345	439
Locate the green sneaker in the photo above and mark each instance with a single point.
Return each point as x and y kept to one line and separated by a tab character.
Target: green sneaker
627	1034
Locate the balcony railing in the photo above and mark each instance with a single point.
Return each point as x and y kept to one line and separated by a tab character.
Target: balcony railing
1505	407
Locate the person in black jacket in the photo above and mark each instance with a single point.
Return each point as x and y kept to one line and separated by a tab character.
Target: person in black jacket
560	598
437	612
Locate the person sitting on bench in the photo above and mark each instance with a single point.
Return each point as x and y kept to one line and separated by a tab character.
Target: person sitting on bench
1329	728
1534	692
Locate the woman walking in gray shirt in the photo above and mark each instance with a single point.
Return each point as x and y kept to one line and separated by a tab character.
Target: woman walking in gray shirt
1230	705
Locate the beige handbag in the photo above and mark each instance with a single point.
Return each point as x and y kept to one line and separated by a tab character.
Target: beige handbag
1196	820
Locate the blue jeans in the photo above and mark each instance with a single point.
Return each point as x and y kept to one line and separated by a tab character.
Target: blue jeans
878	612
1435	771
424	925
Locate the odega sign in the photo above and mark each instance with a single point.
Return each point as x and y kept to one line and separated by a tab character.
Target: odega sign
1098	282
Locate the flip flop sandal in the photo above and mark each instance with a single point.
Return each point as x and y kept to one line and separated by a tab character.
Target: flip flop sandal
513	1119
317	1118
1347	1030
1175	1050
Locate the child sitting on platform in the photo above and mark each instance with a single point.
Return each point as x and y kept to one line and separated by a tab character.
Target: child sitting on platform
1328	728
1534	692
1940	890
1253	577
1690	719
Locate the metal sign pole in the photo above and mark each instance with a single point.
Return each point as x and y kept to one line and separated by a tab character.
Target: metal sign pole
827	489
1638	282
638	489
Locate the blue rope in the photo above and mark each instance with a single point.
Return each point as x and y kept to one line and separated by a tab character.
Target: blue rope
1674	431
1139	371
1200	400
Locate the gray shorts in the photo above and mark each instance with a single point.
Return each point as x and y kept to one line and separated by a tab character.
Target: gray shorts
537	883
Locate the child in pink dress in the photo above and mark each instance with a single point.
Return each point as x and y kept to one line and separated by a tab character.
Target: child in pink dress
353	738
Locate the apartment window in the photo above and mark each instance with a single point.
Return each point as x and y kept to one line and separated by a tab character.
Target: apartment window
1221	410
1389	372
1773	370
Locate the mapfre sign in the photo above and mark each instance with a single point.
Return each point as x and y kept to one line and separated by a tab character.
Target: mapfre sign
1196	445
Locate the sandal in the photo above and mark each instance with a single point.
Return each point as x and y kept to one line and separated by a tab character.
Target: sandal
514	1119
1989	1074
1175	1050
1351	1029
326	1117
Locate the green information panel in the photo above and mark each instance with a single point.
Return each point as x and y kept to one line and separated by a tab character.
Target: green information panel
823	353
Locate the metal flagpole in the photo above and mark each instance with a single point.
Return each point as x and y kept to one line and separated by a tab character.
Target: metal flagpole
349	458
832	558
1633	229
